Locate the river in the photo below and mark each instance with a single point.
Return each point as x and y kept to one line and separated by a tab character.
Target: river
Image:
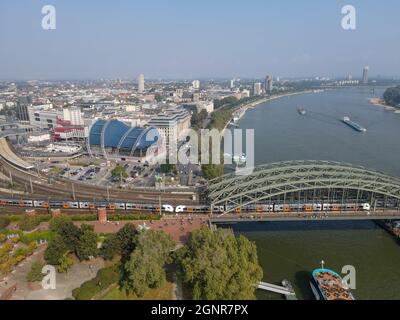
292	250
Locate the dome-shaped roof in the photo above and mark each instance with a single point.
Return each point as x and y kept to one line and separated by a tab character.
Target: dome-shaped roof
116	134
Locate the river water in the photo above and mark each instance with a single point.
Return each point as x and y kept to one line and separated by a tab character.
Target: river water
291	250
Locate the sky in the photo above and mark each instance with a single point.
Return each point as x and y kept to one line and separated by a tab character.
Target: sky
197	39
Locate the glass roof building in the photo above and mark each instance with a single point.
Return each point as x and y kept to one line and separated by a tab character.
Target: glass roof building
113	137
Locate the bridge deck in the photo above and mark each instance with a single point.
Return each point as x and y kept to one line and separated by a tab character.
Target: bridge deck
274	288
317	216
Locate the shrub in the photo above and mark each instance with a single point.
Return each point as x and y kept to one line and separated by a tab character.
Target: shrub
35	274
4	222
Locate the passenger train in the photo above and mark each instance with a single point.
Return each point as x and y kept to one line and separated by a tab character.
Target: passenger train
182	209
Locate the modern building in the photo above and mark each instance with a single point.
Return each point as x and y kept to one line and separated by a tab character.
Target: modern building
22	108
140	81
172	125
268	84
257	89
115	139
365	75
44	117
73	115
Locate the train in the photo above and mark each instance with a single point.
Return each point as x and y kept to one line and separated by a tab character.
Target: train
183	209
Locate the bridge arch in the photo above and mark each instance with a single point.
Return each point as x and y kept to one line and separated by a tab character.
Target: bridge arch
287	178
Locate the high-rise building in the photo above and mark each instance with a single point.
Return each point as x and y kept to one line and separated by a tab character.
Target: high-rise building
268	84
140	81
196	84
232	83
365	75
257	89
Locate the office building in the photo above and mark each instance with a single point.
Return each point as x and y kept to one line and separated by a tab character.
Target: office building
140	81
268	84
365	75
73	115
257	89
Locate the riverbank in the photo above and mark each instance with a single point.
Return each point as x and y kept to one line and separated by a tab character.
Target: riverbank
251	105
379	102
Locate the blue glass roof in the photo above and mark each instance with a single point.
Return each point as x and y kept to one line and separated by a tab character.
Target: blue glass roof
114	133
117	133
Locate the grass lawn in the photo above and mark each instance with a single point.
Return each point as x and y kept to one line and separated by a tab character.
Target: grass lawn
163	293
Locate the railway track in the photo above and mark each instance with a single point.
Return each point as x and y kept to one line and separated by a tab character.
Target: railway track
79	191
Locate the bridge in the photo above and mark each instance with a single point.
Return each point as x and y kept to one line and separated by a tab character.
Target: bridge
300	182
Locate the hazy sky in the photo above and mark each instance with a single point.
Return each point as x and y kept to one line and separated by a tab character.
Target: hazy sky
197	38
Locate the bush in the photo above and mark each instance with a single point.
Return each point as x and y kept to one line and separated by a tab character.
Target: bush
4	222
104	278
35	274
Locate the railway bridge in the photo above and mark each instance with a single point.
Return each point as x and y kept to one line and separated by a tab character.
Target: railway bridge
295	183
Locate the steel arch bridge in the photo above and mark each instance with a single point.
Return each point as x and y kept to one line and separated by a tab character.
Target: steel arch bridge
281	179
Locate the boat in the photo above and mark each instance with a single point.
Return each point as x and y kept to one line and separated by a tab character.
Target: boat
353	125
240	159
302	111
327	285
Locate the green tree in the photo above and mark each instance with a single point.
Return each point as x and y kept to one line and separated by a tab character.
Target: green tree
126	237
55	250
145	269
65	262
35	273
392	96
69	232
219	266
111	247
119	172
56	223
87	245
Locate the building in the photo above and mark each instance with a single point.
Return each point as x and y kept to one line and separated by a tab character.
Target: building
172	125
257	89
44	117
268	84
196	84
115	139
199	106
22	108
365	75
140	81
65	131
73	115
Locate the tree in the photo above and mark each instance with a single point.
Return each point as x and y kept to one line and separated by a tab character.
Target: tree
65	262
211	171
55	250
111	247
35	274
87	245
145	269
119	172
56	223
126	237
69	232
220	266
392	96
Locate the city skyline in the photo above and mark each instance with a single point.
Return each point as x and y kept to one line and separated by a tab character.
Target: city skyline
120	41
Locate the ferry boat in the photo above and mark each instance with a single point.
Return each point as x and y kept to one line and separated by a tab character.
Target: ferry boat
301	111
354	125
327	285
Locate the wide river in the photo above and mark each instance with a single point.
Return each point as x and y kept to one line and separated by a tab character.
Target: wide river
292	250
